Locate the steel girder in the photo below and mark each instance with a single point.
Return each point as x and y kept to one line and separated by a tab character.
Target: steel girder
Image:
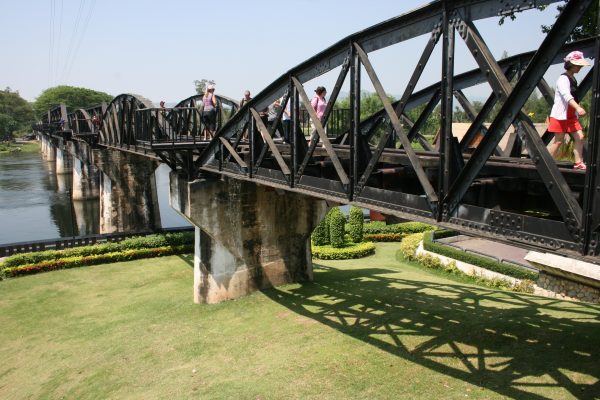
437	185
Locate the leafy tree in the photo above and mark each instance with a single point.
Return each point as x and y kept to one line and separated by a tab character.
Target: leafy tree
370	103
72	97
15	114
202	84
586	27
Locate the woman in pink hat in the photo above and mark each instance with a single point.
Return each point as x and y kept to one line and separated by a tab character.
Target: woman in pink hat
566	109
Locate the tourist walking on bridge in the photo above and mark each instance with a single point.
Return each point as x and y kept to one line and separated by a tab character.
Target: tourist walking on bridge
319	104
246	98
209	112
566	109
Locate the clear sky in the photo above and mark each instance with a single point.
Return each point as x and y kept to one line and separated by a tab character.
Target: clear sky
158	48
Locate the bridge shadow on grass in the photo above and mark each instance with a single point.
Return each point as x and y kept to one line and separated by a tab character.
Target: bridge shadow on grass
517	345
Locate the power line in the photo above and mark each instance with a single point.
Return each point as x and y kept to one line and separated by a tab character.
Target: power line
81	36
51	47
60	19
73	36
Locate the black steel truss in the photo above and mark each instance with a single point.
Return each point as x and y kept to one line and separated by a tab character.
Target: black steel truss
471	185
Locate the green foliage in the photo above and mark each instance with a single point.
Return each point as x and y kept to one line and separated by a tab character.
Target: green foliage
409	245
337	222
15	114
384	237
72	97
378	227
95	259
141	242
346	252
408	250
200	85
480	261
320	236
355	224
370	103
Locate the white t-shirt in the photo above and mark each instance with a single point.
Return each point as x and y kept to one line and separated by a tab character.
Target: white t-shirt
562	96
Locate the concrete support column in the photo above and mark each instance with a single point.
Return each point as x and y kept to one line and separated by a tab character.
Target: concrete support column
128	199
248	237
86	181
64	163
50	150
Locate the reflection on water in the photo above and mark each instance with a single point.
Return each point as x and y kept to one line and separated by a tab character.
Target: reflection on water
35	201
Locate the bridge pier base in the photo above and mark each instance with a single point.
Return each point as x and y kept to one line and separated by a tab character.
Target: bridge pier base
48	149
248	237
64	162
128	198
86	181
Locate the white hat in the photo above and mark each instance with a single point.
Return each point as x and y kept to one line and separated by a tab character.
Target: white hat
577	58
210	87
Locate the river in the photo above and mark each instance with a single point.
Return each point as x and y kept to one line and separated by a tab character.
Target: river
35	201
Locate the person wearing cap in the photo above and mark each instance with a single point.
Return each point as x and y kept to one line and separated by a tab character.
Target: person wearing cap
566	109
209	111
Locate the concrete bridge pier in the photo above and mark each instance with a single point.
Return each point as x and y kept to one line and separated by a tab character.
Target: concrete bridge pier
48	149
64	161
248	237
86	178
128	198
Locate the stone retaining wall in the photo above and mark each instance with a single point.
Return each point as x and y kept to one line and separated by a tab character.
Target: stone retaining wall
561	288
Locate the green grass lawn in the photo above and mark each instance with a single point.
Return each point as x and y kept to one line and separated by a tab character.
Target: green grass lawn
367	329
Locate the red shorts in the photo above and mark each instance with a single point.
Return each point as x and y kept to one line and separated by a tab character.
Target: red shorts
569	125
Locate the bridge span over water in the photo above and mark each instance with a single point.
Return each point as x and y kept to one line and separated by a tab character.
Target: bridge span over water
255	198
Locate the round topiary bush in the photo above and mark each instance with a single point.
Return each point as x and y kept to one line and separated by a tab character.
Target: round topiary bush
320	236
355	224
337	223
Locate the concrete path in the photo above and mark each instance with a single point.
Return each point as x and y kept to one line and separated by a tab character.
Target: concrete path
490	248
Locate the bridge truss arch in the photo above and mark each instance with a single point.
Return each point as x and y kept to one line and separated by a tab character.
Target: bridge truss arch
450	183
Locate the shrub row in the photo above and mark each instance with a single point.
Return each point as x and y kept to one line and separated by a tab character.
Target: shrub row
140	242
408	249
483	262
358	250
384	237
378	227
85	260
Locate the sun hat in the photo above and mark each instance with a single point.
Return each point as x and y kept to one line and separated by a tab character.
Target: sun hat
577	58
210	87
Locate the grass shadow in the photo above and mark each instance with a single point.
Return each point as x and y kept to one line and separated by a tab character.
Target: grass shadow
187	258
517	345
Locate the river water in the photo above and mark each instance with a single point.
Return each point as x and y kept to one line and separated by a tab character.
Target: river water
35	201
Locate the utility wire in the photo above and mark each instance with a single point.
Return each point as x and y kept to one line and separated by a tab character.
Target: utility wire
81	36
60	19
73	37
51	47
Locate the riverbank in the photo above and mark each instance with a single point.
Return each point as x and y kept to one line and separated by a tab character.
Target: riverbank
367	328
21	147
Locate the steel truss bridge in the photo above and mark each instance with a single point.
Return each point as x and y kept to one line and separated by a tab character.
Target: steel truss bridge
517	193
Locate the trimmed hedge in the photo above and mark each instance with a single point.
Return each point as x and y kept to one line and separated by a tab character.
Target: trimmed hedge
80	261
337	221
140	242
384	237
483	262
347	252
355	224
409	245
320	235
378	227
408	249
